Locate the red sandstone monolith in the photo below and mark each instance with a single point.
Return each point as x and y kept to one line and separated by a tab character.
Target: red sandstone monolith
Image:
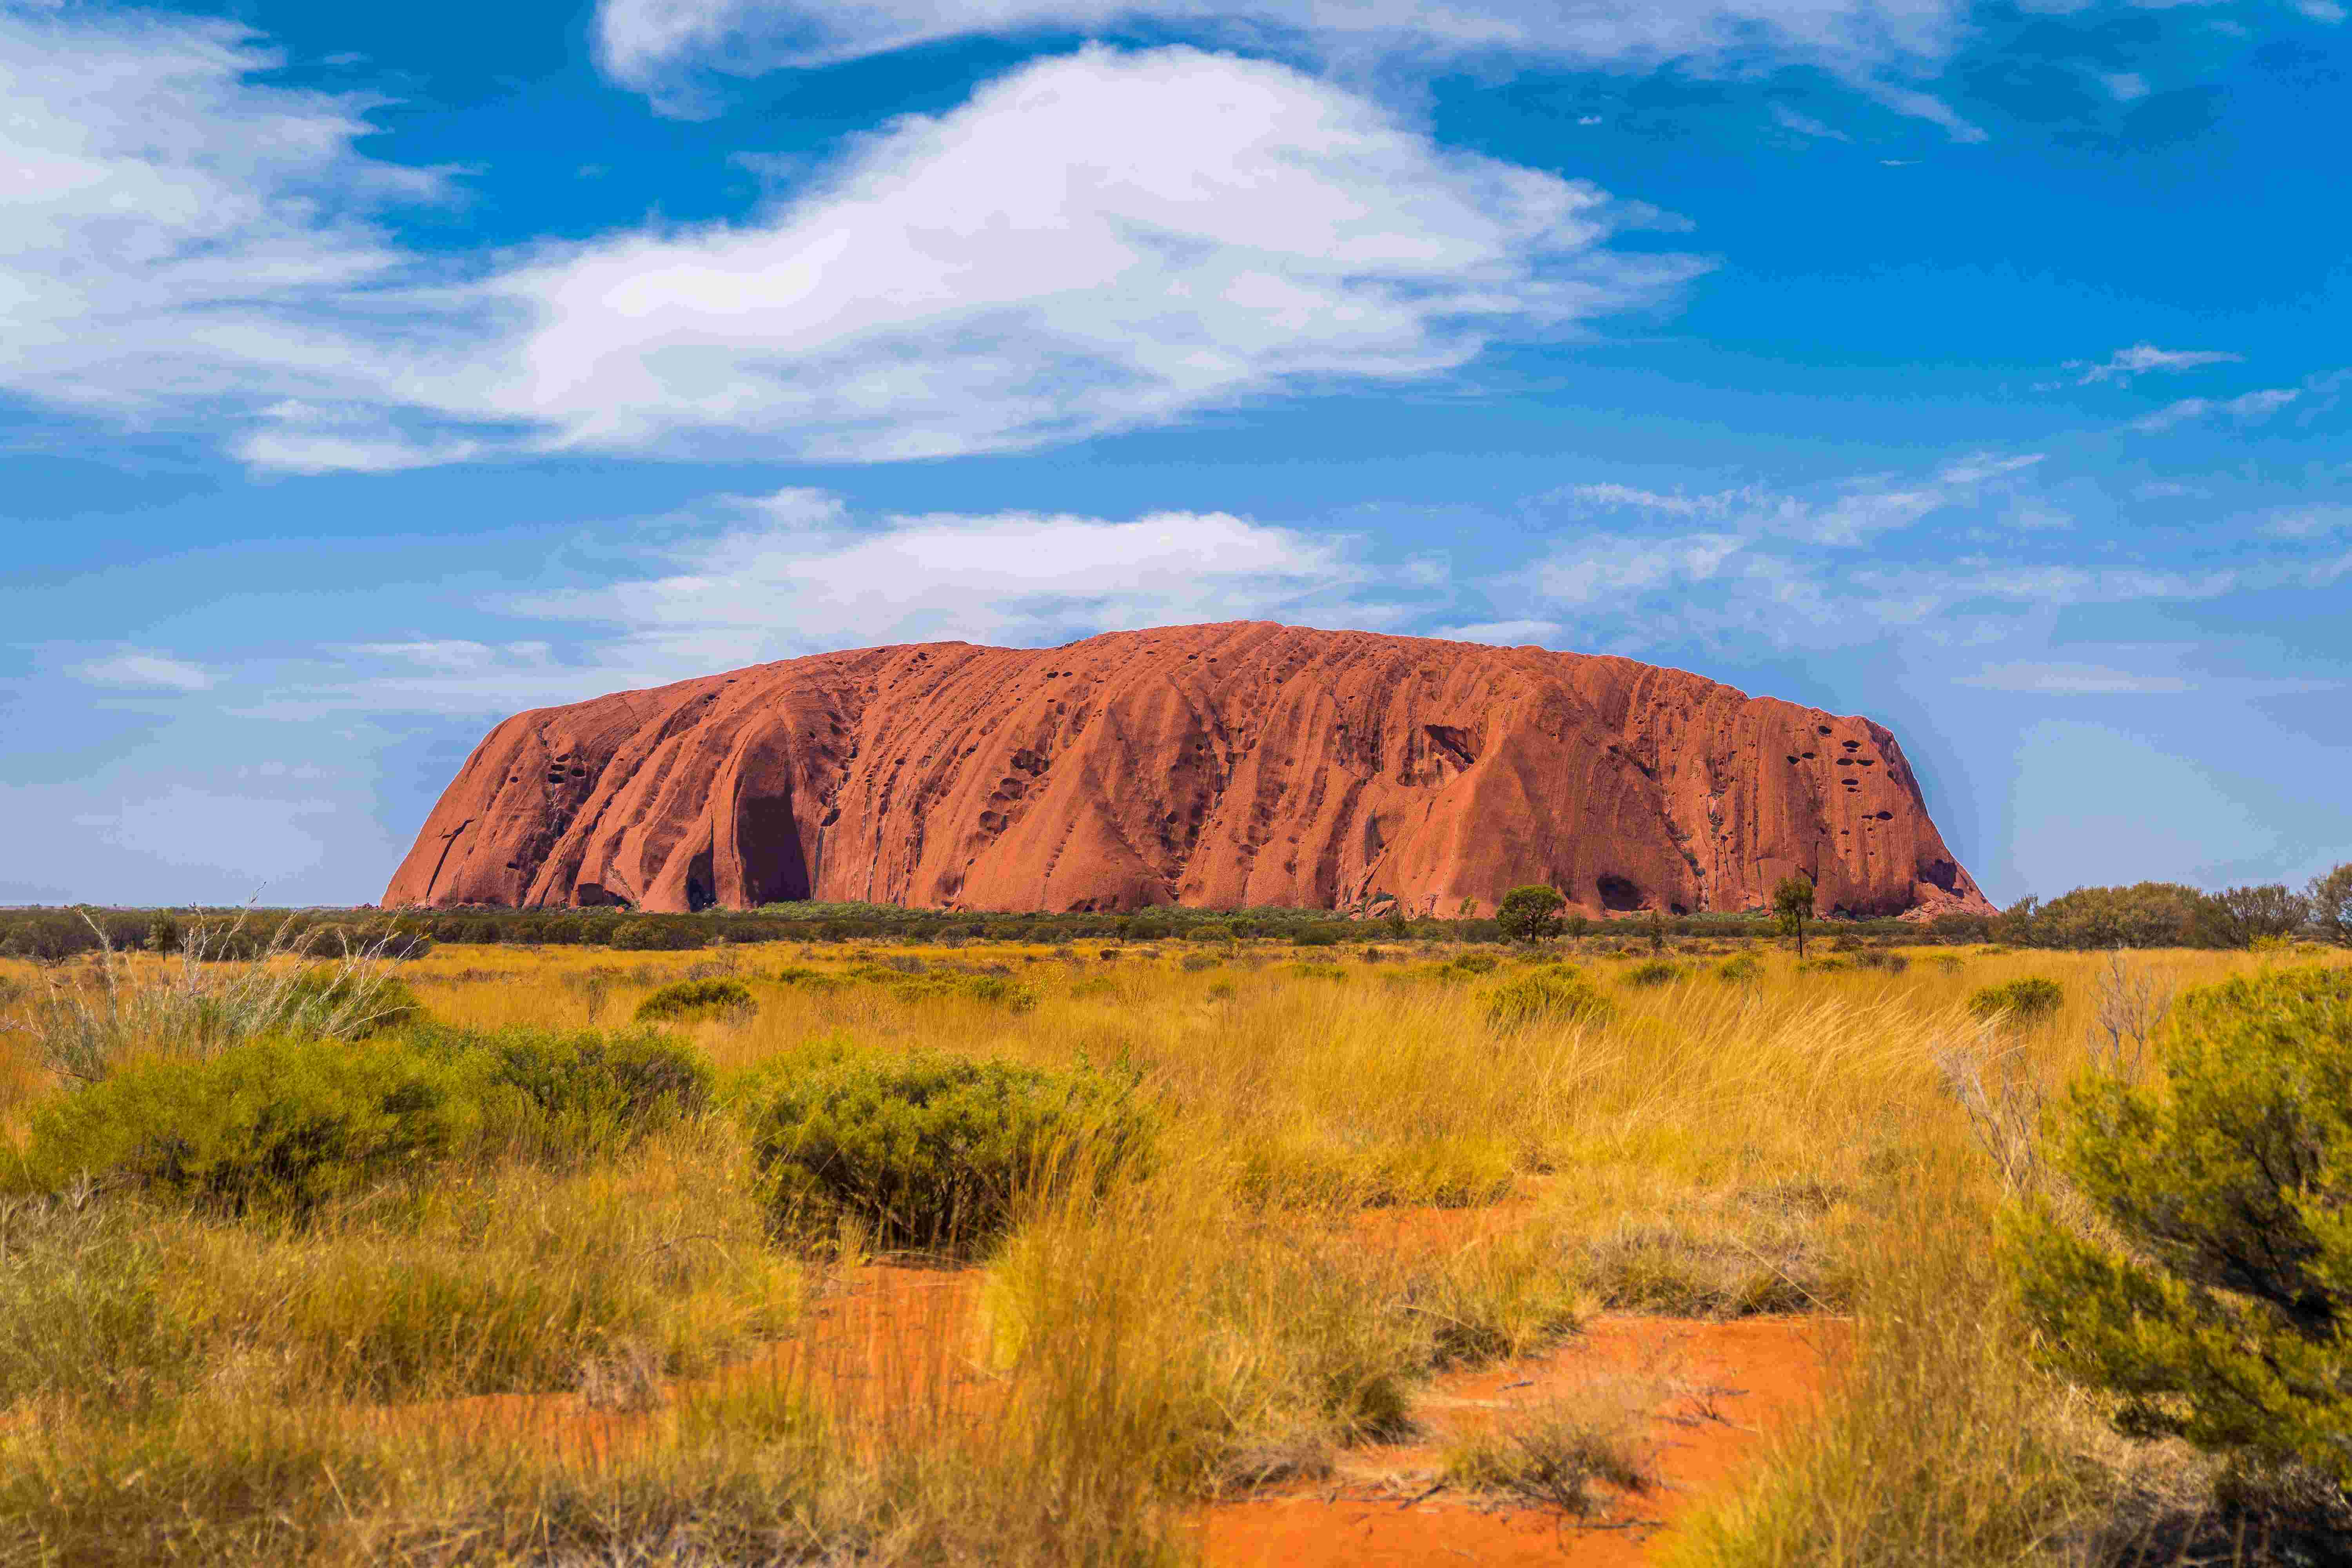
1227	765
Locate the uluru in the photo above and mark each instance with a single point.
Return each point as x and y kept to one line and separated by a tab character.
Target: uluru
1230	765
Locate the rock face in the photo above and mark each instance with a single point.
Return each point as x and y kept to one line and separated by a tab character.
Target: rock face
1241	764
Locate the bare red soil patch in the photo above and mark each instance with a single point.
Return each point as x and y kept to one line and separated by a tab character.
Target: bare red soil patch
1725	1384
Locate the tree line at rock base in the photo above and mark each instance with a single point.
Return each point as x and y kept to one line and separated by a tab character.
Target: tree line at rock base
2147	914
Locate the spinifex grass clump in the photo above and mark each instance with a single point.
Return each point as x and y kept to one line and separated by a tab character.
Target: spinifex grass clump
1556	993
83	1316
198	1000
926	1150
2024	1001
1653	972
1552	1456
2224	1316
684	1000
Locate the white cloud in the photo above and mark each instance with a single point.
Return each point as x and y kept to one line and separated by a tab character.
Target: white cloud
1605	567
2251	408
1009	577
301	438
2141	359
1095	242
795	572
138	671
2126	87
659	46
178	232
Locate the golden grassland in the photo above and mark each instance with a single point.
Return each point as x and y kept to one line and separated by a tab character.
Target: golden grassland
1818	1138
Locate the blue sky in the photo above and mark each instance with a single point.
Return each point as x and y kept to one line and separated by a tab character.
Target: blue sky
372	373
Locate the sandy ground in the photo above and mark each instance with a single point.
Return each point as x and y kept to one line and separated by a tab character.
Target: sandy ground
1725	1386
902	1340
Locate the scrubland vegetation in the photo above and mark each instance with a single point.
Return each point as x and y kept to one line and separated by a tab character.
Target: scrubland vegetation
534	1254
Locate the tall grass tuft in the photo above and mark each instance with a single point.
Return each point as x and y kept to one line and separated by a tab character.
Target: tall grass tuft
199	1000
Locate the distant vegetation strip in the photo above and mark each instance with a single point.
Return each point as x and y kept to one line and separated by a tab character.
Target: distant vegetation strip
2146	915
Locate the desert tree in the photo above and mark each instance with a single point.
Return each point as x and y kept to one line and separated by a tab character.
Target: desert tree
1530	913
2330	893
1792	906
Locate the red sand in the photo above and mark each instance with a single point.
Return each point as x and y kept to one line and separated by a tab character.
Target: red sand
1746	1377
892	1342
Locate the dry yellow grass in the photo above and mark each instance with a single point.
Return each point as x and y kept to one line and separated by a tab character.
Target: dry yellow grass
1793	1141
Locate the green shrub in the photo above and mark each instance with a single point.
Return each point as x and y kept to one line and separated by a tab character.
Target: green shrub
996	990
1740	970
683	1001
271	1125
2026	1001
1555	995
1653	972
1318	972
555	1095
928	1150
2224	1316
807	979
1475	964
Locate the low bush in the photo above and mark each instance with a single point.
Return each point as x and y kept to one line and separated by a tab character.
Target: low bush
2024	1001
927	1150
1653	972
1555	994
807	979
1882	959
270	1125
1744	970
2222	1315
551	1095
684	1000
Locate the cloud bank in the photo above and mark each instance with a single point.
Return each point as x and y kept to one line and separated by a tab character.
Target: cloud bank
1096	242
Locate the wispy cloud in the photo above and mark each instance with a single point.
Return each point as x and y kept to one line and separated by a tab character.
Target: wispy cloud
136	671
1847	514
670	48
2063	679
2251	408
1805	124
2143	359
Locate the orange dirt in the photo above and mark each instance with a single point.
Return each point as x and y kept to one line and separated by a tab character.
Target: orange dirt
1221	766
1733	1382
886	1347
892	1349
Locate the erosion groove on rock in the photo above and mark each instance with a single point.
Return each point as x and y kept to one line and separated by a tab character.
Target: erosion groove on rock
1240	763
